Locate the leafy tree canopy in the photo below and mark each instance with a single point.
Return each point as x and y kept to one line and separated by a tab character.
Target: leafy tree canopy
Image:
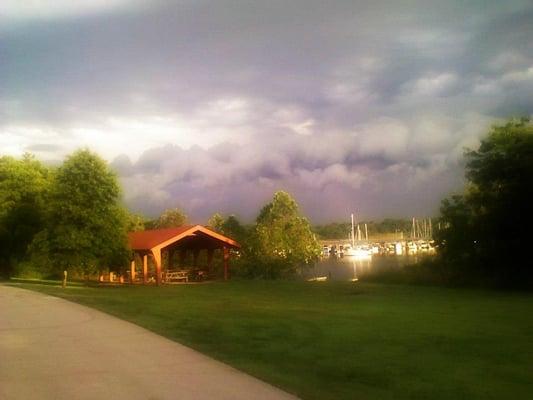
488	227
232	228
136	222
170	219
24	185
282	240
215	222
85	222
229	226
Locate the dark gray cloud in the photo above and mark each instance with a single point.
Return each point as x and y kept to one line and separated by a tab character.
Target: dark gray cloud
216	104
330	178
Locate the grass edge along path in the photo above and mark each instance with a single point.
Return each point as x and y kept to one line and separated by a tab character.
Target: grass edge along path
341	340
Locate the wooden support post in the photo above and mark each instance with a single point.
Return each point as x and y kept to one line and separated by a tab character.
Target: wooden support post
157	259
132	270
226	263
145	269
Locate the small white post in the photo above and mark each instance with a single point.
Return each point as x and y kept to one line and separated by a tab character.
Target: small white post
64	284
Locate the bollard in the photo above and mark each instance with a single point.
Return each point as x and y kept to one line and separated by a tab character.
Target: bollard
64	285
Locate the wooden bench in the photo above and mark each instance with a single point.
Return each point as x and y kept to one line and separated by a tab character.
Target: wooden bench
177	276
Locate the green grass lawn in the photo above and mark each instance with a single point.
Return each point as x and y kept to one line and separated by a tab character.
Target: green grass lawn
342	340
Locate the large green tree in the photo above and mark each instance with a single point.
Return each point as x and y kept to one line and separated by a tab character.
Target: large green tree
86	225
24	185
135	222
229	226
233	228
487	229
282	241
170	218
215	222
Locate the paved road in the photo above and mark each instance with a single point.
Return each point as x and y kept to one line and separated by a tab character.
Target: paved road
53	349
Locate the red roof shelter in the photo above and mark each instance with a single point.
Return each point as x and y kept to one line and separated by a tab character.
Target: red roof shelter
191	238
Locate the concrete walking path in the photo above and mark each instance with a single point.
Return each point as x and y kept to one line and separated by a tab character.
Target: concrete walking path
54	349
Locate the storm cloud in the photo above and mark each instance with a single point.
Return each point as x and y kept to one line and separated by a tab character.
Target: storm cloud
214	105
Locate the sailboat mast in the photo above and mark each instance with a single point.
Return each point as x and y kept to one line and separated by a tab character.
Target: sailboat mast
353	237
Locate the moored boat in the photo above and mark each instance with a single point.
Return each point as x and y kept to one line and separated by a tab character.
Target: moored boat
318	279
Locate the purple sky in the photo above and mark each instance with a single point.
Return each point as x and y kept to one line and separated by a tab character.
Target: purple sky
351	106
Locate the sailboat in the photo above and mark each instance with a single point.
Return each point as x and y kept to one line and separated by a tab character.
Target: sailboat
360	251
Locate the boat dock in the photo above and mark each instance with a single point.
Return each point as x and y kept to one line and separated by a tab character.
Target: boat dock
383	244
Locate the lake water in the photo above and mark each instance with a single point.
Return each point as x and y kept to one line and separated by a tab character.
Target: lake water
350	267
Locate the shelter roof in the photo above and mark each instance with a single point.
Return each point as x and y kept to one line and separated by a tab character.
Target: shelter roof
146	240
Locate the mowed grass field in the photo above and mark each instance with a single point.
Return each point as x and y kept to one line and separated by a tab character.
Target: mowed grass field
342	340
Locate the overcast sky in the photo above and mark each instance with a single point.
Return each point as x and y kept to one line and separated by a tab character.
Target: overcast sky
351	106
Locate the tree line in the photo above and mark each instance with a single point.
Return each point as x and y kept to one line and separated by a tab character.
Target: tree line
341	230
72	218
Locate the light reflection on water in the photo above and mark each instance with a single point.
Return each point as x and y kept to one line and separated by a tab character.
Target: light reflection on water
350	267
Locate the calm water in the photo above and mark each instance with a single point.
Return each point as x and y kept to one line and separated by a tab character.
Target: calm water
348	268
